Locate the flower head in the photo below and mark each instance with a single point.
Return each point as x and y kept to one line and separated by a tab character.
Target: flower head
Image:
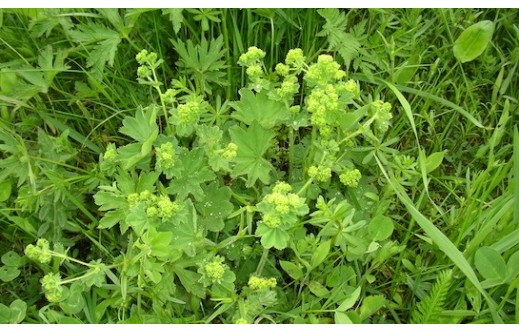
295	58
165	156
51	284
252	57
40	252
257	283
350	178
215	269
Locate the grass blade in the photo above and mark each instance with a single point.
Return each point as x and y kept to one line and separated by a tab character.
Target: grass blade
443	242
516	175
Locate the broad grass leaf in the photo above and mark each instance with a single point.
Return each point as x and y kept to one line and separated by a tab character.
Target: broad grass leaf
74	303
317	289
370	305
350	300
320	254
490	264
513	265
342	318
434	161
408	69
18	310
8	273
11	258
380	227
5	190
5	314
292	269
473	41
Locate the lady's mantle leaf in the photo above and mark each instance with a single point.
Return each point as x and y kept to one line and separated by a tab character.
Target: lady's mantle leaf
194	171
473	41
142	126
490	264
272	237
215	207
252	144
258	107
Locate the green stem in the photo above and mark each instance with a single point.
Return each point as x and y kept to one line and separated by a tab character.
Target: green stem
250	215
56	254
272	38
227	54
159	91
78	278
262	261
303	188
290	153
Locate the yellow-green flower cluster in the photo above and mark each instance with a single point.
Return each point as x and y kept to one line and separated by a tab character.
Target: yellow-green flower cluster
166	208
350	178
253	57
40	252
161	207
257	283
288	88
215	269
165	156
272	220
146	57
143	72
230	151
382	113
282	69
110	153
320	173
295	58
284	203
295	109
144	196
254	72
169	96
350	86
252	60
147	61
325	71
241	320
189	113
323	103
132	199
281	205
51	284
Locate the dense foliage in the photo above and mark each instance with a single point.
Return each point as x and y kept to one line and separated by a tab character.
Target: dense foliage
259	166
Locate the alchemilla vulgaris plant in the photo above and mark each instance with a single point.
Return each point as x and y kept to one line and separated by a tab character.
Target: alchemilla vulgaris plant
214	212
317	173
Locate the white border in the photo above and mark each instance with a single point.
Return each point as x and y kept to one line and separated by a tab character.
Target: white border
261	4
257	328
257	4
